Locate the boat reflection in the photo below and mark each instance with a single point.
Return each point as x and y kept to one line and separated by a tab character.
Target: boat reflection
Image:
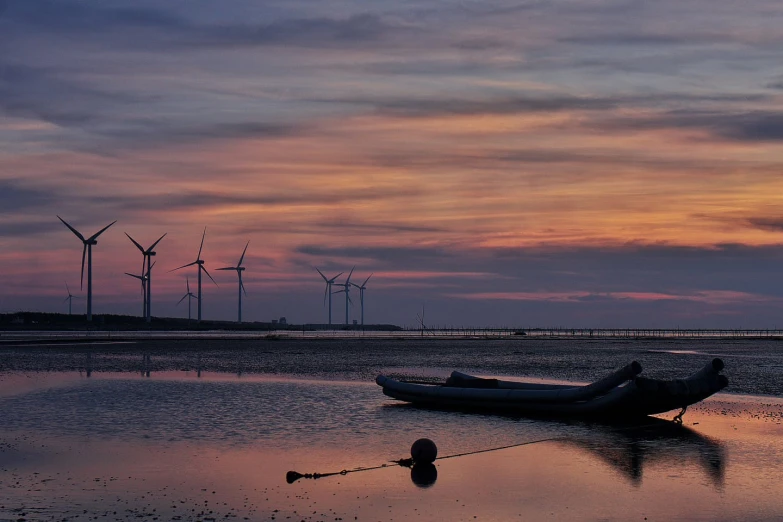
629	448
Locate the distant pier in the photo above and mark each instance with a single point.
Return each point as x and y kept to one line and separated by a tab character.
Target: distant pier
11	337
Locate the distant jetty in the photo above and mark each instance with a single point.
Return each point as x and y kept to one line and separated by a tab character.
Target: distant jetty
52	325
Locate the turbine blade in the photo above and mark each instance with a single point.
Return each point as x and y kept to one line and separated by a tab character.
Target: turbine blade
227	268
322	275
205	271
349	297
183	298
66	287
243	255
326	291
183	266
187	284
101	231
243	287
335	277
350	274
84	253
133	275
202	243
66	298
156	242
365	281
141	249
72	229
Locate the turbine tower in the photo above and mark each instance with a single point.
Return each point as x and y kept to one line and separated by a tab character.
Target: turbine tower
239	268
147	257
70	298
362	288
328	291
88	243
346	288
200	263
189	295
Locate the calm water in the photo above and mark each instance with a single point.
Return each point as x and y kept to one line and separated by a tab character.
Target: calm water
753	366
176	446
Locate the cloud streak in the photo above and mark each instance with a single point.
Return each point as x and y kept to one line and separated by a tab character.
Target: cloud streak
157	29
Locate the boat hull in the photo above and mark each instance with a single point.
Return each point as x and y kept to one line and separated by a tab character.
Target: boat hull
634	397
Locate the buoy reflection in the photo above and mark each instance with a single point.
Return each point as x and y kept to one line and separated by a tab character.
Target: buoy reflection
424	474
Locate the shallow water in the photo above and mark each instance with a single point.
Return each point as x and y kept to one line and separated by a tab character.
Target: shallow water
176	446
753	366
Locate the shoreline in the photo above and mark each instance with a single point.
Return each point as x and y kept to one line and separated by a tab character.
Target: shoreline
86	336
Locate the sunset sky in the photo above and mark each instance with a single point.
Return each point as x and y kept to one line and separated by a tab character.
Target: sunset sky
580	163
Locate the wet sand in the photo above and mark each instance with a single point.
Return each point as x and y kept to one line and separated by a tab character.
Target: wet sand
176	446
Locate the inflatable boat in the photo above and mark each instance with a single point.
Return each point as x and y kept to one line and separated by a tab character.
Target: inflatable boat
622	394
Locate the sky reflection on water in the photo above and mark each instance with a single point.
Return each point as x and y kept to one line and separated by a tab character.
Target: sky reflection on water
133	444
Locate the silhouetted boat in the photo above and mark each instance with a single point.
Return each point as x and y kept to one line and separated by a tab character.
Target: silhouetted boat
622	394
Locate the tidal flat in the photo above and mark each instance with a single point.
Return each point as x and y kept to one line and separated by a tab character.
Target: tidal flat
208	430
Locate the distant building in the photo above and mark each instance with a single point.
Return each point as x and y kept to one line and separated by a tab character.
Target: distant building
355	322
283	321
274	321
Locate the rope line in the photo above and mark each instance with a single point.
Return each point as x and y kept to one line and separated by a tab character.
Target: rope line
293	476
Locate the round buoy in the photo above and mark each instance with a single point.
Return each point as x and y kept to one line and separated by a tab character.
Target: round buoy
424	451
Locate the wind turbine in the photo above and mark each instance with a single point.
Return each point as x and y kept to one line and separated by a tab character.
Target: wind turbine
189	295
420	317
88	243
200	263
328	290
70	298
144	278
362	288
346	288
147	257
143	291
239	268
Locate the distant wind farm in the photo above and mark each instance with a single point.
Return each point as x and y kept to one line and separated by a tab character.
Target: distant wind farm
145	279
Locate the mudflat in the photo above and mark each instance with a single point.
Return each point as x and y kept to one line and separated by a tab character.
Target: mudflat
207	430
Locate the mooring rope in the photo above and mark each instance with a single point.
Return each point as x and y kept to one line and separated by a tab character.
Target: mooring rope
293	476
